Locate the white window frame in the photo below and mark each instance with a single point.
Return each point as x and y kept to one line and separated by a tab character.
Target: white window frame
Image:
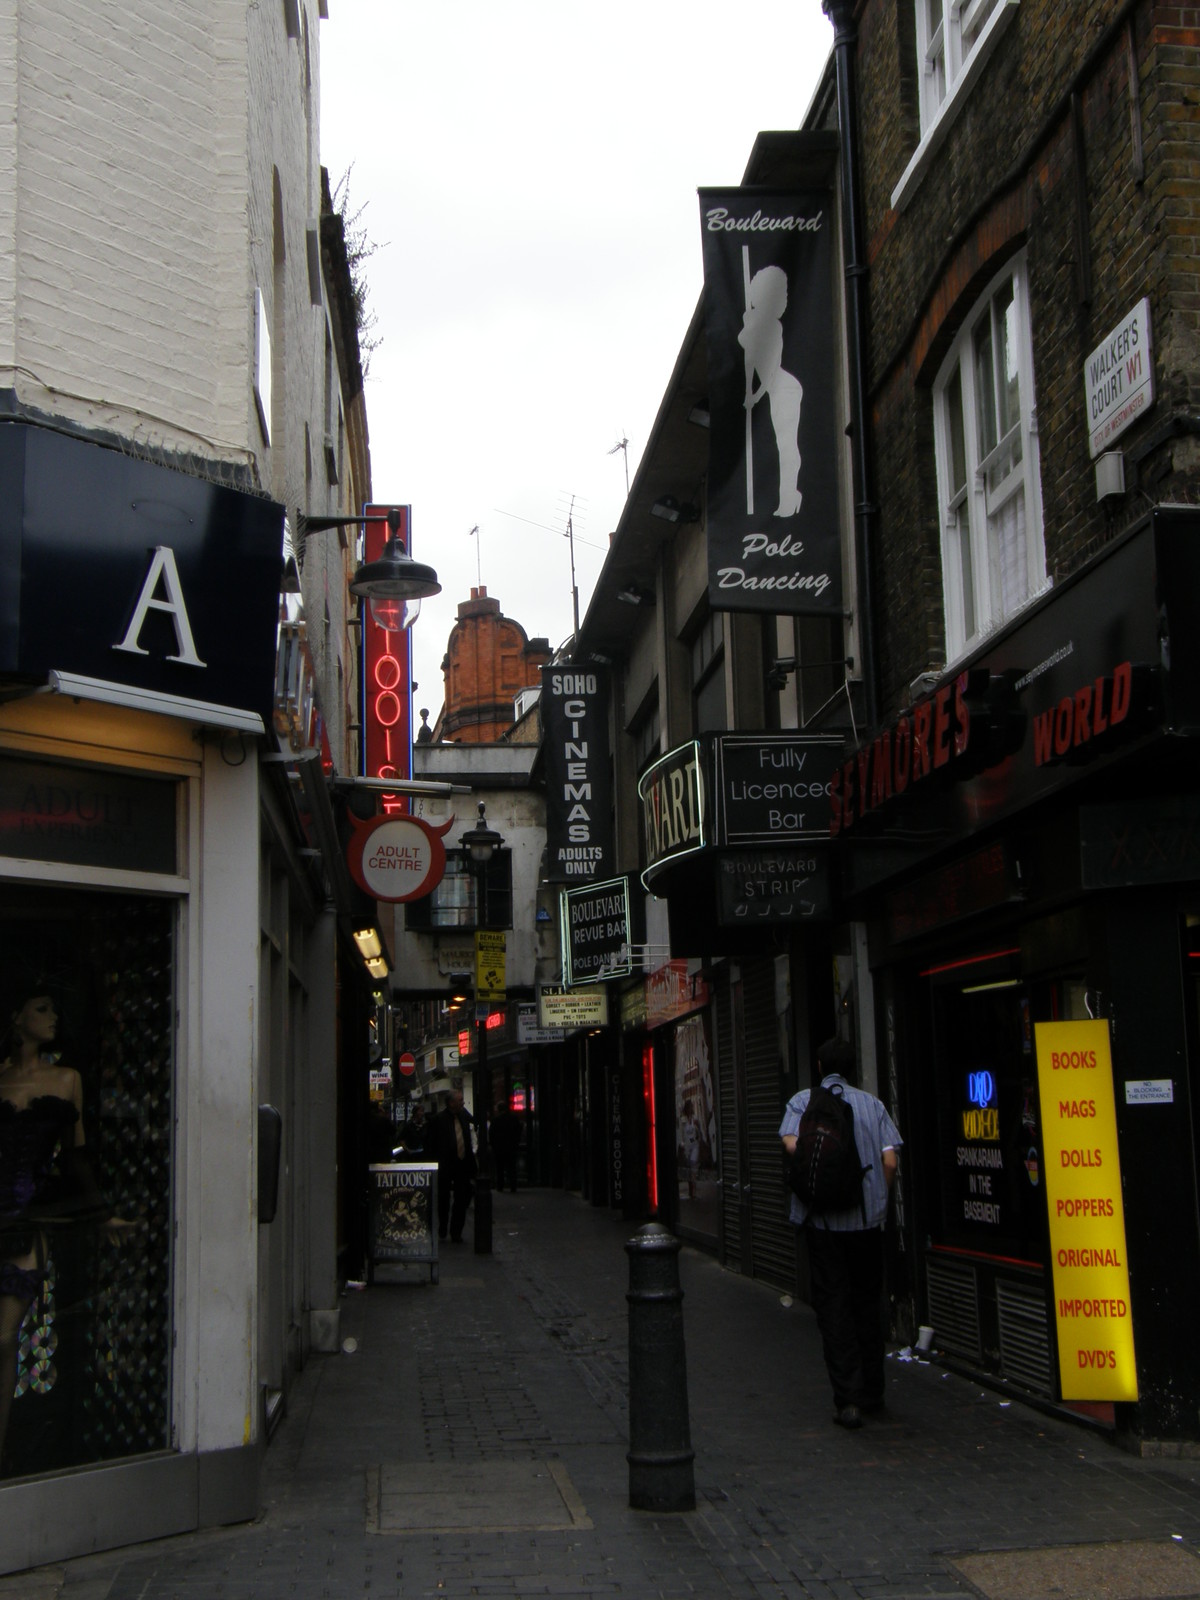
973	602
951	56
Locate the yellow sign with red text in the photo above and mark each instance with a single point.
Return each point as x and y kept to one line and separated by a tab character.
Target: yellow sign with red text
1087	1217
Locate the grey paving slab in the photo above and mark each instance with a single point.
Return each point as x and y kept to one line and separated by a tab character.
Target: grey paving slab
1142	1569
479	1497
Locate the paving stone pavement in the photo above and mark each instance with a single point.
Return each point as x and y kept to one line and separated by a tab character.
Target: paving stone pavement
521	1358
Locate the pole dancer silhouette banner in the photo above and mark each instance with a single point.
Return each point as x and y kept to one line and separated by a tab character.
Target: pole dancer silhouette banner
773	532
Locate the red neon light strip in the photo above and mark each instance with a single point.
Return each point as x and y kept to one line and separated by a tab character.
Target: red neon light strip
651	1129
986	1255
970	961
387	709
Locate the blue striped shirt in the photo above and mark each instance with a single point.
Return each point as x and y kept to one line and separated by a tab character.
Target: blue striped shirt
874	1132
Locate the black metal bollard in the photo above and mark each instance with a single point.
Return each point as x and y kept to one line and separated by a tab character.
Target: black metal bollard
660	1452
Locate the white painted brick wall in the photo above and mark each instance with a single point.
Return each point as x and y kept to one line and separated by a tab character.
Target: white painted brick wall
132	167
8	188
139	219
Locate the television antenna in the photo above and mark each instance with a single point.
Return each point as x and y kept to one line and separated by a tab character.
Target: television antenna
622	445
474	533
574	585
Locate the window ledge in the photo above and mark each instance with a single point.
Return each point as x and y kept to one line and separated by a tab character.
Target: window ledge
986	638
935	135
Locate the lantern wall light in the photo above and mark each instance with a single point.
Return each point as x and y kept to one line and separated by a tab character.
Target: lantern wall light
395	584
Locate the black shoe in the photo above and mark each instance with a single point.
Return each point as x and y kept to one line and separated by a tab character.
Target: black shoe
848	1417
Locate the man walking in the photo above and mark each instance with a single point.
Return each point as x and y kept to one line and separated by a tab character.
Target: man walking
845	1245
450	1146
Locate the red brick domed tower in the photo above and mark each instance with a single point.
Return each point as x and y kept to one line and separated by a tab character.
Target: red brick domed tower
489	659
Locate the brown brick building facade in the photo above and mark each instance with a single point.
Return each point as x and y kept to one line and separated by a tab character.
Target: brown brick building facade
1029	183
1077	146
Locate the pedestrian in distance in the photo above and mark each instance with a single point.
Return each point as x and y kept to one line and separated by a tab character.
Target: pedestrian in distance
505	1139
842	1213
414	1133
450	1146
381	1136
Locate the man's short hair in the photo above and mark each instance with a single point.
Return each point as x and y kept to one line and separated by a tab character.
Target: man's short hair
836	1055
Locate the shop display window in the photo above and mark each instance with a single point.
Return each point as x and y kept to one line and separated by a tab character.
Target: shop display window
992	1199
86	1116
696	1127
987	1110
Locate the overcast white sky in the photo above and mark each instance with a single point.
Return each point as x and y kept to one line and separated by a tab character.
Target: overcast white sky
529	171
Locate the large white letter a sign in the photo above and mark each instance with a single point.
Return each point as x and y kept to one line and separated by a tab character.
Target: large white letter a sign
162	570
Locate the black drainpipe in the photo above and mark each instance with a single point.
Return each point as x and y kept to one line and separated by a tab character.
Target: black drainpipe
845	37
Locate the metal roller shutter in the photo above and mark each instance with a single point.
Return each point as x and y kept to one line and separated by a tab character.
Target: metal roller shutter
727	1111
774	1237
1025	1354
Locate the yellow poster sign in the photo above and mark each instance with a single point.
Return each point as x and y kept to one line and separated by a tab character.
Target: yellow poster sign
1087	1217
489	966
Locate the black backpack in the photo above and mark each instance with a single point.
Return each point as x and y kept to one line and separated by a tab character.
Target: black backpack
825	1171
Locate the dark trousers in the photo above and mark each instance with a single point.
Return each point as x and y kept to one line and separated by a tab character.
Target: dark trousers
847	1297
506	1168
454	1197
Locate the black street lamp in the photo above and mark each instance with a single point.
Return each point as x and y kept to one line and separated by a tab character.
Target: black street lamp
482	843
392	583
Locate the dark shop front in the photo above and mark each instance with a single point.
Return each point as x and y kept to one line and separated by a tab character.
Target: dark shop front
135	686
1024	844
737	843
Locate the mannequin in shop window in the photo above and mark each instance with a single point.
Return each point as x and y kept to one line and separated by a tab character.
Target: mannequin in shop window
689	1144
46	1180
